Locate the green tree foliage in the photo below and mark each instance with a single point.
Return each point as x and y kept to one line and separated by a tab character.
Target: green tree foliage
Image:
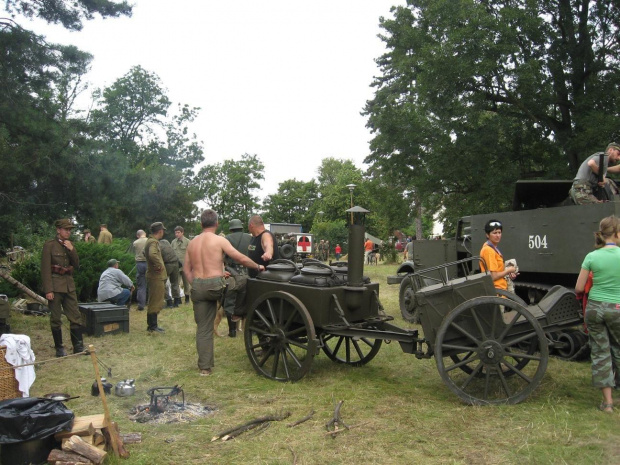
40	132
130	111
336	232
138	164
69	13
37	132
293	203
474	95
229	187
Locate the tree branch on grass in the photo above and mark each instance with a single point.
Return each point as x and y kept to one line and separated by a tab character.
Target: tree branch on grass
237	430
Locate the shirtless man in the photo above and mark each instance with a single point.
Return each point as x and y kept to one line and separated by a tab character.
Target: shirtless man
204	268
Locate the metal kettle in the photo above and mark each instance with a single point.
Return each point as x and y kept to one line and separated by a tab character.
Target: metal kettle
125	388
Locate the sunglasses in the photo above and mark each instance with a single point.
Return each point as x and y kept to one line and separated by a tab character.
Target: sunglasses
495	224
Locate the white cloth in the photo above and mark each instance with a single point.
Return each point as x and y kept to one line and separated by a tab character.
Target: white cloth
18	352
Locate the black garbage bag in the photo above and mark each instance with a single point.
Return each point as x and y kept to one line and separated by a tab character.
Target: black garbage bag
27	418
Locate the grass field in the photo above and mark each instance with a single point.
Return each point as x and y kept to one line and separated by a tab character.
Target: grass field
400	410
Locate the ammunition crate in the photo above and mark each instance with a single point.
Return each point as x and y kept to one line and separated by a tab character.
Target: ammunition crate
104	318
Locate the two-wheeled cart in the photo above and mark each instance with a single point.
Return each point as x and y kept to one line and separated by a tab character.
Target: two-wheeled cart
488	348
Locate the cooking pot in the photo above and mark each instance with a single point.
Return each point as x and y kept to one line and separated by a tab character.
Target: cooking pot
125	388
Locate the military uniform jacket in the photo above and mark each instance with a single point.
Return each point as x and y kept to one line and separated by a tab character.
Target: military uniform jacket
155	267
54	253
180	247
239	241
105	237
167	254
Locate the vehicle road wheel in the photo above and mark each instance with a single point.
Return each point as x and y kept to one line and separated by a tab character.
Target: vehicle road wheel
406	299
480	356
354	351
280	339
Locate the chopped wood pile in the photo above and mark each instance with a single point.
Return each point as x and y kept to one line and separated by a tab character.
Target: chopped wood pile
88	442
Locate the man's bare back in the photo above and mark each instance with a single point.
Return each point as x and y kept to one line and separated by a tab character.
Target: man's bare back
205	253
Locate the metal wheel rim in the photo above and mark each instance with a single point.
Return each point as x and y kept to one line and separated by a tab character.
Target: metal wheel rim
279	336
491	352
406	299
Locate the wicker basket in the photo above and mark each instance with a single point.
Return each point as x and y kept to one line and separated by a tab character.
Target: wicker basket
9	386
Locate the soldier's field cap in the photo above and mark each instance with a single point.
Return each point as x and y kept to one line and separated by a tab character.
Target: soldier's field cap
86	231
112	262
158	226
64	223
235	224
613	145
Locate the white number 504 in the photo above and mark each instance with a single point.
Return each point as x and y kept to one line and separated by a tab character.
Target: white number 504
537	242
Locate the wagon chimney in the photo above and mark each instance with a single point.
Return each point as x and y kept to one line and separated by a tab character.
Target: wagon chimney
356	245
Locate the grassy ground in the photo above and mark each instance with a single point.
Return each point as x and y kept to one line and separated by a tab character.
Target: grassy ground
402	411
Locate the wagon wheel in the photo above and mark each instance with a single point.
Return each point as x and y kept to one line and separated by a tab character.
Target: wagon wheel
409	308
489	342
354	351
279	337
529	347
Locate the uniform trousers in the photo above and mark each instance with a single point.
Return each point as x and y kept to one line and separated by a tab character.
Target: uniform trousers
65	302
205	295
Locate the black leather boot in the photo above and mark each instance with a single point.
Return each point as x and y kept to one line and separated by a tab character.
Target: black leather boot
177	302
77	339
152	321
186	299
4	327
168	303
60	349
232	326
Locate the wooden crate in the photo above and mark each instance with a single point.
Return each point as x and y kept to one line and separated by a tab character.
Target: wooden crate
9	386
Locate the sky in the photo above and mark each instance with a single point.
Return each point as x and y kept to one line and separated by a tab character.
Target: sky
281	79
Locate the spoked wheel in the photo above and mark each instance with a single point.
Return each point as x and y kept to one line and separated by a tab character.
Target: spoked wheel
409	308
354	351
529	347
279	337
480	355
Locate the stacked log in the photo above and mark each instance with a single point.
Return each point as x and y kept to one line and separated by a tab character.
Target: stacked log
87	442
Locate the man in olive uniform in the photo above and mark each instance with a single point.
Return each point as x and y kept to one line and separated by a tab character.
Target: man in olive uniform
179	245
172	270
105	236
235	298
59	259
88	237
138	250
155	276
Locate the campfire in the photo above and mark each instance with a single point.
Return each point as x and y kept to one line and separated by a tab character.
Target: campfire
168	405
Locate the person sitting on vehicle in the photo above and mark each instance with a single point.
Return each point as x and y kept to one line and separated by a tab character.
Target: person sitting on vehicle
492	259
587	179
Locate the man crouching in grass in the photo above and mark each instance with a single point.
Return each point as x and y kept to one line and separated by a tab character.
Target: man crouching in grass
204	268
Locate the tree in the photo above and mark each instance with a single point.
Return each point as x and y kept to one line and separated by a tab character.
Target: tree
39	128
69	13
293	203
477	94
228	187
141	157
130	111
